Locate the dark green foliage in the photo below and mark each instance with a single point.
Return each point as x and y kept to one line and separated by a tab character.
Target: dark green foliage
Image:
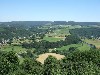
75	63
86	32
51	66
72	39
8	63
32	67
72	48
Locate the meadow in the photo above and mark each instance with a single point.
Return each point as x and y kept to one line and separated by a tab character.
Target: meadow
95	42
79	46
60	33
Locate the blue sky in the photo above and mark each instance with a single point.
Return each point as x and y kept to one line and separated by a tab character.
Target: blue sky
50	10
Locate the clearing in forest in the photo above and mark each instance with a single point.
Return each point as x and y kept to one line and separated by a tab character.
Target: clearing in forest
43	57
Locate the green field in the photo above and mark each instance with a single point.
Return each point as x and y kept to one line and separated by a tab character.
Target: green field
13	48
79	47
63	32
85	47
95	42
21	59
17	49
59	34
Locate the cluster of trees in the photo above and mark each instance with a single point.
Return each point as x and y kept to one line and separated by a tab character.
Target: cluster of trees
8	62
86	32
44	45
74	63
8	33
24	23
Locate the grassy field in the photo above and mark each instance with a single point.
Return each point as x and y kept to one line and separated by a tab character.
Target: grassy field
58	34
13	48
79	47
63	32
85	47
21	59
95	42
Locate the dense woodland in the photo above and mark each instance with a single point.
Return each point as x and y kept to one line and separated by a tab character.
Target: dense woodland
75	63
30	36
90	33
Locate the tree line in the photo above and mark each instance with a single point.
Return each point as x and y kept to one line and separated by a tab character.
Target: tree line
89	33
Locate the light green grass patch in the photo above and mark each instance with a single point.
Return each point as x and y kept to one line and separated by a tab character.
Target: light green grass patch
13	48
95	42
21	59
85	47
68	46
63	32
79	46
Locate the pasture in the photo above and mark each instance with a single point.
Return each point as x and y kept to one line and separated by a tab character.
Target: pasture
78	46
95	42
17	49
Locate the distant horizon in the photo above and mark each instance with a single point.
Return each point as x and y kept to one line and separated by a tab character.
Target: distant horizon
51	21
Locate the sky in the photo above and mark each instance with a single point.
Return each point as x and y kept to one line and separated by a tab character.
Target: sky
50	10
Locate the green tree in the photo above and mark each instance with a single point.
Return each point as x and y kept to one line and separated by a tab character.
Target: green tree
8	63
51	66
31	66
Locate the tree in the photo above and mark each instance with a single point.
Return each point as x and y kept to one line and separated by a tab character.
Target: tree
32	67
8	63
72	48
51	66
72	39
